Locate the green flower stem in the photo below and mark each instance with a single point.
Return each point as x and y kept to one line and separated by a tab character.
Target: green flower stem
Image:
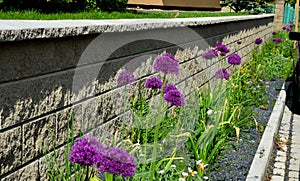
87	174
154	154
109	176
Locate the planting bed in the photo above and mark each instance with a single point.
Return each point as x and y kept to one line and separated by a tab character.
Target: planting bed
235	159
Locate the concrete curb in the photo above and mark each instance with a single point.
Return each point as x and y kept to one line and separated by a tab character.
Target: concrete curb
263	153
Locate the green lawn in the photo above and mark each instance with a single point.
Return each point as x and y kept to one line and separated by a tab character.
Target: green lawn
33	15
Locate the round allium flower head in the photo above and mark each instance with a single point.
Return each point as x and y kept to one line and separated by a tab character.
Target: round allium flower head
167	64
234	59
169	87
85	151
289	28
118	161
284	28
277	40
239	42
125	77
258	41
153	83
223	54
210	54
222	74
174	97
222	48
274	33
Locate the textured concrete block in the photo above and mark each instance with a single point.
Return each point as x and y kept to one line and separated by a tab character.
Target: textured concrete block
23	59
10	149
48	164
26	99
64	121
38	137
28	172
106	132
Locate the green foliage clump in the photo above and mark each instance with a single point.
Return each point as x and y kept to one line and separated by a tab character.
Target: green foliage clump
53	6
251	6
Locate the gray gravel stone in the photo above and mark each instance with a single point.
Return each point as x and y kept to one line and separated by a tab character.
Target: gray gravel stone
234	164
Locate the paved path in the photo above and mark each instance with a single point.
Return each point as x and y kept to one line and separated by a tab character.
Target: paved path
287	160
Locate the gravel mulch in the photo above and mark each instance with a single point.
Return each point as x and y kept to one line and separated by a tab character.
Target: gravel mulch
235	159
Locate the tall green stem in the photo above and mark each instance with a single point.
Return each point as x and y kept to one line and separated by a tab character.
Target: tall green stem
109	176
154	154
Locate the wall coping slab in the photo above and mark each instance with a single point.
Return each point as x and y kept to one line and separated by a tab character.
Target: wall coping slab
16	30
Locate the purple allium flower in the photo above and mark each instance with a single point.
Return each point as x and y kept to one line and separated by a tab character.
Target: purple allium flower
223	54
277	40
289	28
174	97
239	42
222	48
234	59
85	151
153	83
284	28
167	64
210	54
274	33
117	161
169	87
222	74
258	41
125	77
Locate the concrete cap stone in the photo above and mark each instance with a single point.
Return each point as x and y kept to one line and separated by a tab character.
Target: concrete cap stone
13	30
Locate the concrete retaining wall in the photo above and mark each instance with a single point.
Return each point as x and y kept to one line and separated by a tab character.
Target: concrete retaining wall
50	68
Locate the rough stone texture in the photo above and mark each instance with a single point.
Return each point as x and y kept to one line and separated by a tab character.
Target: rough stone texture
31	61
44	162
64	121
110	130
29	98
44	79
10	149
38	135
29	172
12	30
